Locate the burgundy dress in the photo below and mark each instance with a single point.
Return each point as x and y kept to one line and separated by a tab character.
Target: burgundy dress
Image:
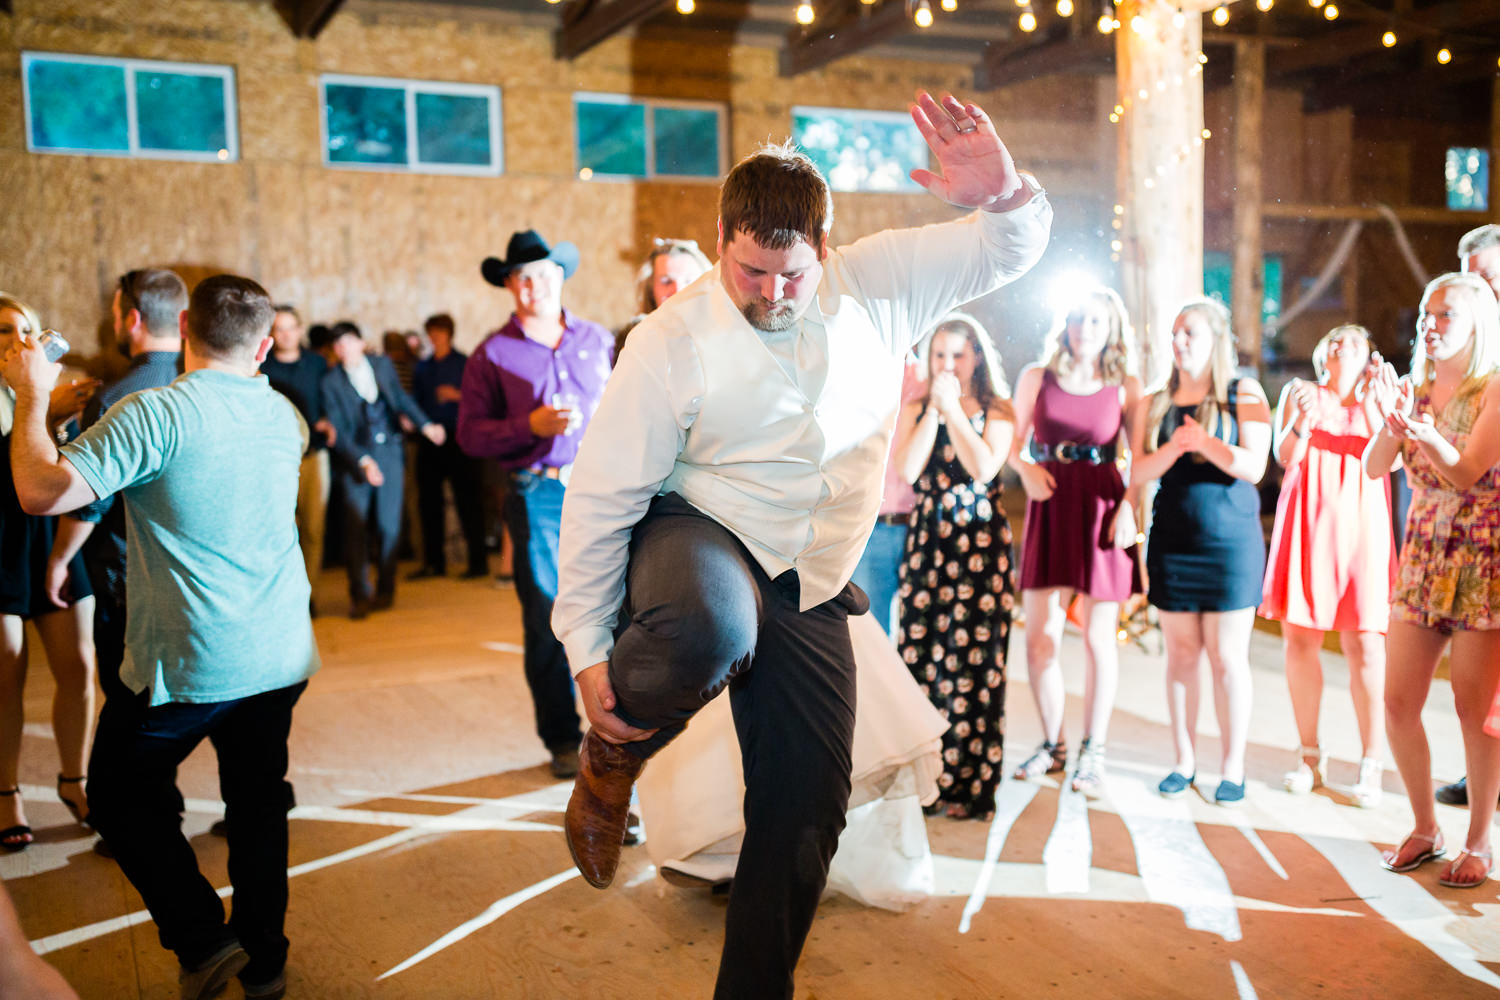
1065	544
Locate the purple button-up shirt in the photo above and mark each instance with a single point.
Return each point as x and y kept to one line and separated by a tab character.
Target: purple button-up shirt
510	375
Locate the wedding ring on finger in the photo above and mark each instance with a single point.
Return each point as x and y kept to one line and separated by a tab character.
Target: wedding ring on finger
966	129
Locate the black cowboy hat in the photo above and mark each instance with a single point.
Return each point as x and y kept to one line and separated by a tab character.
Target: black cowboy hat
524	248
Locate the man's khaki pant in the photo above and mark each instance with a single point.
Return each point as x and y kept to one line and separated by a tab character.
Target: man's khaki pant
312	510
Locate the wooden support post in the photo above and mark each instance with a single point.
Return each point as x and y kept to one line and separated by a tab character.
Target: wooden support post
1248	289
1159	175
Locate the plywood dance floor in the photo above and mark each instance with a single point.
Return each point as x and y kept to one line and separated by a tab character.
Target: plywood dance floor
428	859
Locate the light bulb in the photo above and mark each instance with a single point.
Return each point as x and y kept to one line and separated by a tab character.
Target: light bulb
1139	24
1221	16
1027	21
923	14
805	14
1064	8
1264	5
1106	24
1114	119
1207	134
1388	39
1179	19
1315	4
685	6
1444	56
948	5
1331	12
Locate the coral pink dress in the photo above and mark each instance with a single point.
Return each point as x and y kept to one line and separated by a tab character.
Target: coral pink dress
1332	562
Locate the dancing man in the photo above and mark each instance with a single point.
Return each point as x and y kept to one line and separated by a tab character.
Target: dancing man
725	492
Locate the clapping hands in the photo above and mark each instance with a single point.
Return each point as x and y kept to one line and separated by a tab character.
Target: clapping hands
945	395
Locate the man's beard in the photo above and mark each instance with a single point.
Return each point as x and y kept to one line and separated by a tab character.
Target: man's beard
770	317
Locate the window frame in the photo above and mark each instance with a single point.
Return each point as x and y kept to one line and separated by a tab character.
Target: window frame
132	123
650	104
878	114
412	88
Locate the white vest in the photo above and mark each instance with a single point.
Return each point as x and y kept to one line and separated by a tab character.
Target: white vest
802	484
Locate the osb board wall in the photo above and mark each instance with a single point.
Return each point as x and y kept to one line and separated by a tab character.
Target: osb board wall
386	249
1335	158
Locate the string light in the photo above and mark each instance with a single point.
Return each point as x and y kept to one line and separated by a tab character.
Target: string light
1331	12
1202	58
1179	19
805	13
1444	56
1207	134
1119	209
949	5
1221	16
1315	4
685	6
1264	5
1106	24
1388	39
1064	8
1027	21
1139	24
923	14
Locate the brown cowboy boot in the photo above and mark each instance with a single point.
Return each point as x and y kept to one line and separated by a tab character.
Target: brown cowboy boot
596	816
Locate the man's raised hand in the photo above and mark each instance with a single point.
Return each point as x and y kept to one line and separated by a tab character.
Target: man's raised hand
975	170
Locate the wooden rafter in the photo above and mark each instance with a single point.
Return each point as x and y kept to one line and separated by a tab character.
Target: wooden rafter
1086	52
586	23
1336	48
817	47
307	17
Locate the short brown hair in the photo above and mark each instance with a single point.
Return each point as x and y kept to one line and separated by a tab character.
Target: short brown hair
777	196
158	295
228	315
441	321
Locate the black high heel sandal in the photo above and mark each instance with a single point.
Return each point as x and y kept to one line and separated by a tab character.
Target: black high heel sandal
18	837
79	816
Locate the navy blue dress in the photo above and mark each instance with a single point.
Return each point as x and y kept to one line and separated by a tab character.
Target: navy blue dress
25	544
1206	551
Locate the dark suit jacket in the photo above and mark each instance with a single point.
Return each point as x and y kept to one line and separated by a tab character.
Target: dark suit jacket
346	411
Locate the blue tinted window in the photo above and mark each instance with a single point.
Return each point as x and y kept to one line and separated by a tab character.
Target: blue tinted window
861	150
365	124
686	141
180	111
77	106
612	138
1467	177
453	129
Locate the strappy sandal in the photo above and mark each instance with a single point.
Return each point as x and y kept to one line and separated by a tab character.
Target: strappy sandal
1088	774
1312	764
79	816
1049	758
1434	851
1483	857
18	837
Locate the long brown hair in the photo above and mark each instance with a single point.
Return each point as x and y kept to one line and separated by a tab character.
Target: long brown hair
1116	359
1221	373
989	386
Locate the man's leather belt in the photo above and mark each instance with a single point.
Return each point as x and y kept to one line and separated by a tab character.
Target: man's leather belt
1071	451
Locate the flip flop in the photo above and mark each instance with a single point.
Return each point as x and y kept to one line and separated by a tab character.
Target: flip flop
1435	851
1482	856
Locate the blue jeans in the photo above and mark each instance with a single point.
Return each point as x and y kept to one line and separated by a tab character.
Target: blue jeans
533	513
134	804
878	571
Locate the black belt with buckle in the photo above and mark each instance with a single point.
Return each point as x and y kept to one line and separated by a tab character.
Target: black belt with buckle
1071	451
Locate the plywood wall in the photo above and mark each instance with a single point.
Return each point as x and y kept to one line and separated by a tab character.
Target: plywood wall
386	249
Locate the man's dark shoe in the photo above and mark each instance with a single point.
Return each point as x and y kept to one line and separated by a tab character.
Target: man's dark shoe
565	764
271	989
477	573
425	573
359	609
597	812
208	978
383	602
1456	794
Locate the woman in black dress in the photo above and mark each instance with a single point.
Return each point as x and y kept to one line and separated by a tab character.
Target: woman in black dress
1205	435
59	603
957	581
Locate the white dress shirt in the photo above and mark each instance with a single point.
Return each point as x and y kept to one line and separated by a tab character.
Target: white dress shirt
701	405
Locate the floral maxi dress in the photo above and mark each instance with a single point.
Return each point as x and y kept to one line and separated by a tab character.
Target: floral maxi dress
957	592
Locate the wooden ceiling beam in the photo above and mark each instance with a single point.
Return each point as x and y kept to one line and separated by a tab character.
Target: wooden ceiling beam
1426	91
307	18
587	24
1089	52
1336	48
816	46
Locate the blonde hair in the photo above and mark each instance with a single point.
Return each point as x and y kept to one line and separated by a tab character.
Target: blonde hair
1116	358
646	299
1484	357
8	301
1320	351
1221	373
989	385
